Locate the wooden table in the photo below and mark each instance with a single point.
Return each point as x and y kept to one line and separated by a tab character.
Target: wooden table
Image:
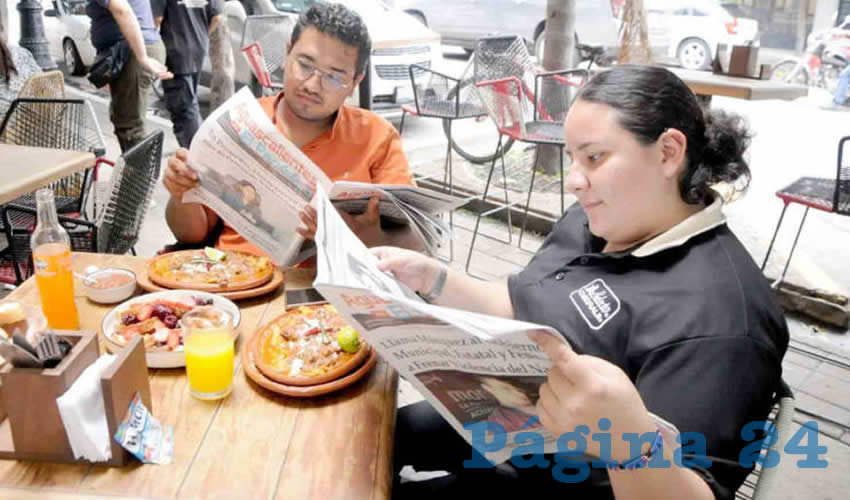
705	83
253	444
23	169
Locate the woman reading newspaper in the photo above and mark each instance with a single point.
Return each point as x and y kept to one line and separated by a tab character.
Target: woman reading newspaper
663	308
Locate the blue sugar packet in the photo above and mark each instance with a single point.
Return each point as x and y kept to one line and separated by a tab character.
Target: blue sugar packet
143	436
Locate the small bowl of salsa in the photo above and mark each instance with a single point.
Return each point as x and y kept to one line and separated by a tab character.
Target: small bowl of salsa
110	285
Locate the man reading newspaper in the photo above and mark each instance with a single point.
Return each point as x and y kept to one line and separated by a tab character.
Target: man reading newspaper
327	57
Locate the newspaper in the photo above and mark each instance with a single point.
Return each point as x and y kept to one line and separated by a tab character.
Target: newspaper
257	181
471	367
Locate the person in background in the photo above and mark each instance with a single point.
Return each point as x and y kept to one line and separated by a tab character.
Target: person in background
662	308
130	20
185	27
16	66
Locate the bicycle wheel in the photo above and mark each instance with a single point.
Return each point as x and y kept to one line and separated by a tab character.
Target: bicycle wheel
790	72
475	138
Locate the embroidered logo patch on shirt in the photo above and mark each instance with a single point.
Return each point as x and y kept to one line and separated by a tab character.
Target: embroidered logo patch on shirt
596	303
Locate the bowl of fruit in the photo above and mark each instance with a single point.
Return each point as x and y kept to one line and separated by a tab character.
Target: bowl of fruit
156	318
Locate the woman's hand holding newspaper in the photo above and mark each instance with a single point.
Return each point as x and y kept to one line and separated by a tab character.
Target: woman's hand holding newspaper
415	270
581	390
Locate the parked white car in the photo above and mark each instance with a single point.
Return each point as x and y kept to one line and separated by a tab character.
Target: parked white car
463	22
67	28
688	31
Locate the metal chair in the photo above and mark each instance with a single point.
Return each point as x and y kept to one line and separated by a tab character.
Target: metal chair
117	222
762	483
829	195
442	96
526	106
59	124
270	32
47	85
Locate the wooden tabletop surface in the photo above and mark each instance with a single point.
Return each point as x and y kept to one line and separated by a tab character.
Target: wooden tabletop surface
708	83
25	169
253	444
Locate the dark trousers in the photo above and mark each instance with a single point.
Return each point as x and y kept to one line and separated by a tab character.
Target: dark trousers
129	92
427	442
181	99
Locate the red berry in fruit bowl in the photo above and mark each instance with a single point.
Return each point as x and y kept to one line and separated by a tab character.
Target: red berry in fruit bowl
170	321
128	319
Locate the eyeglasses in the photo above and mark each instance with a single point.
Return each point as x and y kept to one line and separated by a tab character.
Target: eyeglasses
304	70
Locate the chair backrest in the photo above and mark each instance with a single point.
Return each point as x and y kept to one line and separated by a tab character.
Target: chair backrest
47	85
270	32
841	198
59	124
781	417
131	186
506	62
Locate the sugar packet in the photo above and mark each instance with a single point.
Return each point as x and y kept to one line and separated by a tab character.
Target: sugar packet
143	436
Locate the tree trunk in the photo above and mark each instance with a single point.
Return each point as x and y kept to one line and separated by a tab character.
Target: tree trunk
634	47
802	23
558	54
223	66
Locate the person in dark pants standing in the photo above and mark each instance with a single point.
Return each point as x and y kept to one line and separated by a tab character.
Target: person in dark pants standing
111	22
185	26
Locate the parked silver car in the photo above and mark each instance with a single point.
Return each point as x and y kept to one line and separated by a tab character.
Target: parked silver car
462	22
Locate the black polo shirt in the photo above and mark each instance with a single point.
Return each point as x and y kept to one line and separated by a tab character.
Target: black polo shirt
185	31
687	315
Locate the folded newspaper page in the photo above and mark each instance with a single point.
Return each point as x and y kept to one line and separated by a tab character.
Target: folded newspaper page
470	367
252	176
255	179
401	204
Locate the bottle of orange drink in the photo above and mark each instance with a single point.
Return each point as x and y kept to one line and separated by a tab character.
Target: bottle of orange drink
51	255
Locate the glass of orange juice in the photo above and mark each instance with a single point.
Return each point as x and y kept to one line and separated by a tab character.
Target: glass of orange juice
208	343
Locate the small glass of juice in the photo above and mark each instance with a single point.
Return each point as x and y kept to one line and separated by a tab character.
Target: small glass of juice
208	343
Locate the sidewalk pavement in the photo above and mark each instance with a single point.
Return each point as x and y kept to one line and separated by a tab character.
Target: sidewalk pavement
818	372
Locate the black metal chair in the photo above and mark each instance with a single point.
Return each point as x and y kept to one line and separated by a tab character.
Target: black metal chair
57	124
526	106
117	222
828	195
447	98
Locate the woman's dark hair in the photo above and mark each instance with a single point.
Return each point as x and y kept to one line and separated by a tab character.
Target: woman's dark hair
7	65
340	22
649	100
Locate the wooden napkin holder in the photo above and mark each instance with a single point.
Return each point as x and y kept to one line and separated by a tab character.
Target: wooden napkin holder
30	425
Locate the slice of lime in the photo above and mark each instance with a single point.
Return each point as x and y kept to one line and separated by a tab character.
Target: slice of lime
348	339
214	254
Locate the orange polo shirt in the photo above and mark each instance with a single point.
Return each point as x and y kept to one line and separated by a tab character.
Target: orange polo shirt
361	146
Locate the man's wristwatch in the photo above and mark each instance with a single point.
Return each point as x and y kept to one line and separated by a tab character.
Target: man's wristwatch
437	289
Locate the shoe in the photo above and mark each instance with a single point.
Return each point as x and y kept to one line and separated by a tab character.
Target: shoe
834	106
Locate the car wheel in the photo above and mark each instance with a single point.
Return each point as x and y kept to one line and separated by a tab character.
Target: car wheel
71	57
694	54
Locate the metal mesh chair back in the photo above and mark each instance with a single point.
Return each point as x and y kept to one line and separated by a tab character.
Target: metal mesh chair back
507	104
271	32
47	85
502	57
841	197
131	186
555	93
59	124
442	96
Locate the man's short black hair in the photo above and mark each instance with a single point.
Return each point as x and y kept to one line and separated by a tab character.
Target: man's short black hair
340	22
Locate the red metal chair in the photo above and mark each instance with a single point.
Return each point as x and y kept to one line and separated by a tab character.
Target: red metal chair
829	195
526	106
